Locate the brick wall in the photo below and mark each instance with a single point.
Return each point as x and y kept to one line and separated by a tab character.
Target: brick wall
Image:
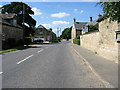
103	42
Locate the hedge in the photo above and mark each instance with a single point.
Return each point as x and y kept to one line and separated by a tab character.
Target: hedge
27	40
76	41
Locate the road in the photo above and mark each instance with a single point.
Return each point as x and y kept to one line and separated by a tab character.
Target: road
47	66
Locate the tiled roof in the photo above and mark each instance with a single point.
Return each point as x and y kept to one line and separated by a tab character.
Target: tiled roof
40	26
79	25
3	21
92	23
7	16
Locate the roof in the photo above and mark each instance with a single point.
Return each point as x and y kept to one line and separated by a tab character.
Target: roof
7	16
40	26
3	21
79	25
92	23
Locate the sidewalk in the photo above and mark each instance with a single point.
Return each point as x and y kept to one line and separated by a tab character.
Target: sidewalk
106	69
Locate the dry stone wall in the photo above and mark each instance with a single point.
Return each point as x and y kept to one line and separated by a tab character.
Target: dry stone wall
103	42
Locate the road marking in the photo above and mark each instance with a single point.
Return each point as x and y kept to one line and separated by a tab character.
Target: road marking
40	50
1	73
24	59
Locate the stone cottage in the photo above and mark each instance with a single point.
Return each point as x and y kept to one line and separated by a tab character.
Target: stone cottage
10	28
44	34
77	29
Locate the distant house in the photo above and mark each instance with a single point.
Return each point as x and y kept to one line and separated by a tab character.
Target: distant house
77	29
87	27
10	28
44	34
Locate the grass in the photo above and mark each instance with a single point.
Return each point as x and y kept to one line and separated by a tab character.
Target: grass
76	41
14	49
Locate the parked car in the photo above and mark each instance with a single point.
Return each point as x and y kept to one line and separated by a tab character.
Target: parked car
37	40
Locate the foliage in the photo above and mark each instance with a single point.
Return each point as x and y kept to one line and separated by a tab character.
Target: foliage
111	9
92	28
11	42
76	41
13	49
66	34
27	41
55	41
23	13
20	42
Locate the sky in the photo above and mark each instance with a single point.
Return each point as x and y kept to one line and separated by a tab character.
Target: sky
60	15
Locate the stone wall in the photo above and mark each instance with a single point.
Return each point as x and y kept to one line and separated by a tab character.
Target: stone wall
103	42
12	32
73	33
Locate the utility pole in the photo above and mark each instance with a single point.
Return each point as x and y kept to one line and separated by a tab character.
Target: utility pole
23	19
58	31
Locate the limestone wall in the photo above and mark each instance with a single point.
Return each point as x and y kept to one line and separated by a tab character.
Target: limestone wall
12	32
73	33
103	42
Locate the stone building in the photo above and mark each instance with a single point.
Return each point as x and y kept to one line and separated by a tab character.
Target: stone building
77	29
44	34
10	28
104	42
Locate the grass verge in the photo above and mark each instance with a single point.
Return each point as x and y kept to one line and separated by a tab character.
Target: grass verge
14	49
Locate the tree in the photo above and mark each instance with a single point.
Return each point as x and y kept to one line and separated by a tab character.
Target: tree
66	34
22	11
111	10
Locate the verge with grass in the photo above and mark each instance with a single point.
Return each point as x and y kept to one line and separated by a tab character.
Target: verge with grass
14	49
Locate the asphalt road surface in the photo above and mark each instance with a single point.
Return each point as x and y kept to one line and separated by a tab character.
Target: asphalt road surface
47	66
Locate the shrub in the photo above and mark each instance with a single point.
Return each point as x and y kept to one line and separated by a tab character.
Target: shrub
76	41
55	41
27	40
11	42
20	42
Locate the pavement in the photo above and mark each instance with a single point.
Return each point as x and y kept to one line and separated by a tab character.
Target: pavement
47	66
103	68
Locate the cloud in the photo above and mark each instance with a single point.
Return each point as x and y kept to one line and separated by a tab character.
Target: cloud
59	15
60	23
81	11
75	10
37	11
47	25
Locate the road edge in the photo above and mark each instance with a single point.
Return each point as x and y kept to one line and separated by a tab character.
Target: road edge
106	84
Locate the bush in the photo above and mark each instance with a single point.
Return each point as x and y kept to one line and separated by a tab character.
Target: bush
76	41
20	42
55	41
11	42
27	40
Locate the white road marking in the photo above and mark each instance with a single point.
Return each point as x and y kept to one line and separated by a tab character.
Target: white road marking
40	50
1	73
24	59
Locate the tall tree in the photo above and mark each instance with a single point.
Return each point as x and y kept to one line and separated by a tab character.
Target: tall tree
22	11
66	34
111	10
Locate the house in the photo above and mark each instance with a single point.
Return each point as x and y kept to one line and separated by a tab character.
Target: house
10	28
44	34
93	24
77	29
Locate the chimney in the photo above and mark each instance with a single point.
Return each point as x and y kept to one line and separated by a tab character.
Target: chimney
90	19
99	15
74	20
